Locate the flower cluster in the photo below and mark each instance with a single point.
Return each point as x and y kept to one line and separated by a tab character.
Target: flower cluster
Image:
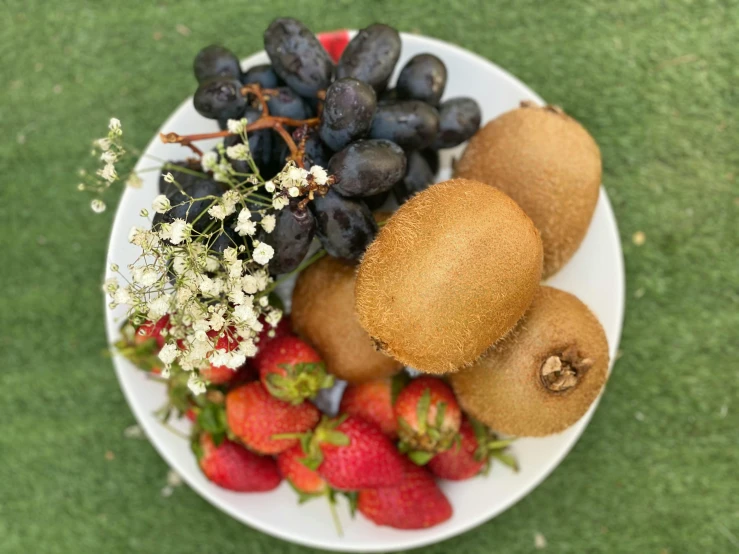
110	150
294	181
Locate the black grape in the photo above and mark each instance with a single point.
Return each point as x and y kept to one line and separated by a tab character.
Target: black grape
371	56
459	119
291	238
347	112
316	152
376	201
411	124
297	56
432	158
220	98
287	103
418	177
182	209
216	61
389	95
345	227
422	78
261	74
367	167
225	239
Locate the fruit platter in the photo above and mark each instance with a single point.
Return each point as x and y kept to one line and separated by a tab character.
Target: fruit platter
364	289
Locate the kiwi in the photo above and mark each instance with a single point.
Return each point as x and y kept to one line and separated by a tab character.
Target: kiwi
323	314
449	274
544	375
549	164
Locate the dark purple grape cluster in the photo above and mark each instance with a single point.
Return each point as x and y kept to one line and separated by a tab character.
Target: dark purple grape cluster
373	140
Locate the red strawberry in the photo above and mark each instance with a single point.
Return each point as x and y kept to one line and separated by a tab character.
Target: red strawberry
351	454
291	370
334	43
373	401
415	503
253	415
218	374
304	480
428	418
226	339
151	330
231	466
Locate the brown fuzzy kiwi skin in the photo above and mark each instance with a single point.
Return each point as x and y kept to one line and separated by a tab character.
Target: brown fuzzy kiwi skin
549	164
323	314
505	388
449	274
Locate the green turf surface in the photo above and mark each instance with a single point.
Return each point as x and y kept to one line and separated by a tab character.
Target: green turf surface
656	84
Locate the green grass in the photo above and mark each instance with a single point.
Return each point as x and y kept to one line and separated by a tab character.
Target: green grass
656	84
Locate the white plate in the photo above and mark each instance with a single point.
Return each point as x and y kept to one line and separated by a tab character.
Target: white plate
595	274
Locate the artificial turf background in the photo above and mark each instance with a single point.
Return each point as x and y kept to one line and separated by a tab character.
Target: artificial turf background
656	84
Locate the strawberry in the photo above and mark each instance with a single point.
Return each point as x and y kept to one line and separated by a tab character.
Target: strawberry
226	339
415	503
351	453
472	454
152	330
334	42
373	402
291	370
269	333
231	466
428	418
307	482
253	415
218	374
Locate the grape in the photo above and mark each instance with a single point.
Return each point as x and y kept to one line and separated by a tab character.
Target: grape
216	61
389	95
287	103
411	124
376	201
367	167
316	153
422	78
432	158
459	119
225	239
290	238
260	145
263	75
297	56
182	209
418	177
345	227
347	112
371	56
220	99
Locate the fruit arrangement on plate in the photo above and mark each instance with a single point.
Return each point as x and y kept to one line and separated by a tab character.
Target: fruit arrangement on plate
419	304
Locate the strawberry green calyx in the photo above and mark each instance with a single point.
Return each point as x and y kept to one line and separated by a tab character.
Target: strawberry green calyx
301	382
490	447
310	442
427	438
141	353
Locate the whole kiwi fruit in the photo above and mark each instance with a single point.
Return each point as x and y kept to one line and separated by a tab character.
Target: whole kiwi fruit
544	375
549	164
449	274
323	314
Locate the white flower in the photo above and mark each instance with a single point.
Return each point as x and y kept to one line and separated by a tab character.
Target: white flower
247	348
237	297
320	176
222	172
145	276
235	269
263	253
103	144
269	186
115	126
178	231
230	255
295	175
217	211
244	313
108	173
123	296
279	202
168	177
109	157
110	285
168	353
134	181
245	227
216	321
179	264
161	204
211	264
268	223
273	317
98	206
263	279
208	286
236	126
263	301
293	191
249	284
209	161
196	384
158	307
238	152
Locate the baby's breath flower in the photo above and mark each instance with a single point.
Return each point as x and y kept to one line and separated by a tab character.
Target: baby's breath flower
268	223
248	348
161	203
218	211
168	353
111	285
81	187
168	177
115	126
103	143
264	301
273	317
145	276
238	152
269	186
279	202
122	295
98	206
236	126
134	181
263	279
294	192
249	284
230	255
108	173
209	161
196	384
244	225
178	231
109	157
263	253
222	172
114	268
143	212
320	176
158	307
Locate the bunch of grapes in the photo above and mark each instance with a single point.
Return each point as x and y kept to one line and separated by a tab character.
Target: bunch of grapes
302	107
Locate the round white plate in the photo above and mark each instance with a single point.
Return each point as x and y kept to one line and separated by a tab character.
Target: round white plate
595	274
